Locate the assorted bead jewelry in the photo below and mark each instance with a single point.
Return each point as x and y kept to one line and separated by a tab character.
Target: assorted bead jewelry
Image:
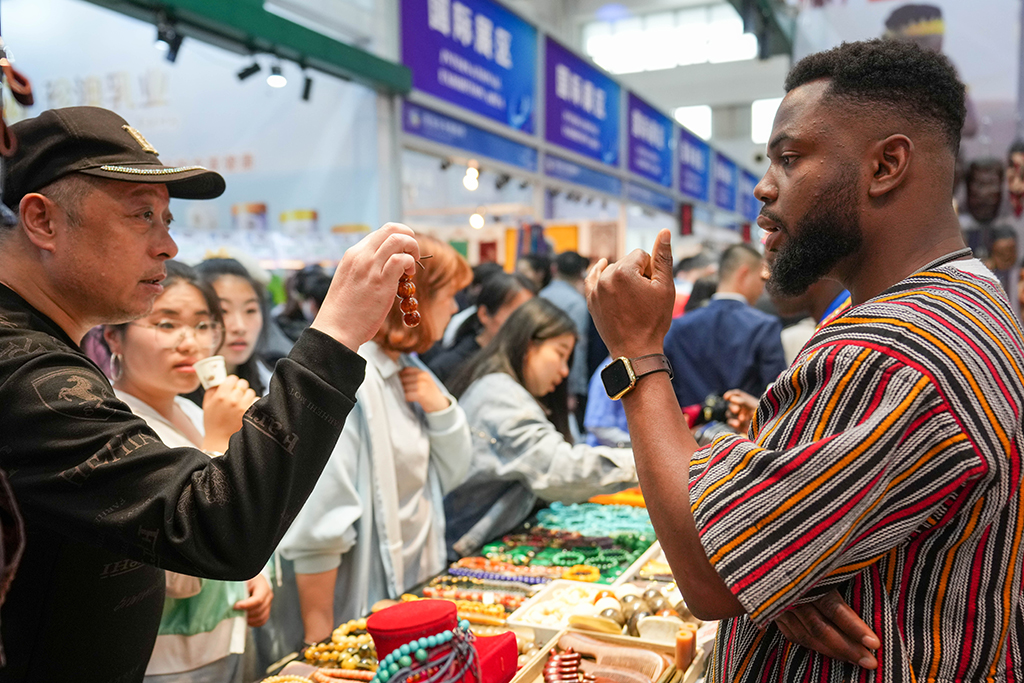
453	654
591	519
351	648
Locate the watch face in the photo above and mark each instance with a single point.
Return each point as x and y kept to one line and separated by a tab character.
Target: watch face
616	378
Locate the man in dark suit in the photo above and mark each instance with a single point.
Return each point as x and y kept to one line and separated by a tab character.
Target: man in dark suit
727	344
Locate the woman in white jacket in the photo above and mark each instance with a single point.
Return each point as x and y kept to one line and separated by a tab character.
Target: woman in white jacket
374	525
514	394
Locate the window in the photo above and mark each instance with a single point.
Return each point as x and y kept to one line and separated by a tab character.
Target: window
664	40
696	119
762	116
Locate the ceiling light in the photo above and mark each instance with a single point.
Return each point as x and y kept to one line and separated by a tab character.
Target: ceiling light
276	79
168	40
250	70
471	183
476	221
472	172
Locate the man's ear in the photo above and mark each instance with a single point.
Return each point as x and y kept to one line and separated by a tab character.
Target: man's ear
37	215
890	159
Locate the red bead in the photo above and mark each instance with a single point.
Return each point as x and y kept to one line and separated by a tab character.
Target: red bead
409	305
411	319
406	289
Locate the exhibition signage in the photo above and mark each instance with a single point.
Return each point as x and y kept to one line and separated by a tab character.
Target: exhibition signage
431	125
581	106
474	54
694	166
644	195
725	183
650	142
563	169
749	206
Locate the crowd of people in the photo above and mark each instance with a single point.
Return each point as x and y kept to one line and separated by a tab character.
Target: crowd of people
858	510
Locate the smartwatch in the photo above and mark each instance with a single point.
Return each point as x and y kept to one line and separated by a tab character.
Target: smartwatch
621	375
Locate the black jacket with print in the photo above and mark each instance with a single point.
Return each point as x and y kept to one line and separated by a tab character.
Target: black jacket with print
107	505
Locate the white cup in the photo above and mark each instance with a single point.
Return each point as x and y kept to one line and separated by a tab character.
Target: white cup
211	371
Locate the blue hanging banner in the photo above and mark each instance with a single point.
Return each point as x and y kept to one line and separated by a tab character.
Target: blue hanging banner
694	166
581	106
725	182
749	206
650	142
644	195
563	169
474	54
431	125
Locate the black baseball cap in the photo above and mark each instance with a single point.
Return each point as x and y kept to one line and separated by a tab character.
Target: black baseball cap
96	142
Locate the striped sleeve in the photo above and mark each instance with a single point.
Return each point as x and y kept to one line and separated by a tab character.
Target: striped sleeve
796	509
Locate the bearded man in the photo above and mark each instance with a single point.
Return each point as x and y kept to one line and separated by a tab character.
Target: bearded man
883	466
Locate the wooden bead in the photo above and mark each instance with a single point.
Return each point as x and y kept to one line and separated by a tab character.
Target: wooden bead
409	305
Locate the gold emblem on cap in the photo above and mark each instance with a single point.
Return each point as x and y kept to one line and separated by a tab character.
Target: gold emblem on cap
143	142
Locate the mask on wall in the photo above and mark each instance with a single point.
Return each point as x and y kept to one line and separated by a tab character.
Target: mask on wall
984	189
917	23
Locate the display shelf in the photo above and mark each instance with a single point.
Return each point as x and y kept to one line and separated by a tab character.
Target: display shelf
544	632
533	671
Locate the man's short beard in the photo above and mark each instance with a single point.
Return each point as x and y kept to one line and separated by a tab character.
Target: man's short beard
822	239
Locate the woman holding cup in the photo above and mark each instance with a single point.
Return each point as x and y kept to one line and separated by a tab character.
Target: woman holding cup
153	360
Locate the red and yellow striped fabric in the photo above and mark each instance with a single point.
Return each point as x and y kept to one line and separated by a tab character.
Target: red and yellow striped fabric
884	463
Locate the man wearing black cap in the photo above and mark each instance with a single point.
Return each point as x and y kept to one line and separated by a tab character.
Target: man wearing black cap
105	503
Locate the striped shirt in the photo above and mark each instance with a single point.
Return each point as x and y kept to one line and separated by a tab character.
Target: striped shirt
885	463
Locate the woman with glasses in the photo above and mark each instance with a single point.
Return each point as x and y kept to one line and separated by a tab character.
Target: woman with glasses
203	628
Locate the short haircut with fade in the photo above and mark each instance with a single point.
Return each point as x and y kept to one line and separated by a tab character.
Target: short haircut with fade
735	256
895	78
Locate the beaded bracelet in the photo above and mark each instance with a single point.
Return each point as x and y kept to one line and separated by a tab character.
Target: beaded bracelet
493	576
616	554
453	643
568	558
332	675
582	572
287	678
602	562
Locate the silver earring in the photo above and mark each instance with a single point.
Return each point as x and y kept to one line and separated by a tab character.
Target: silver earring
116	366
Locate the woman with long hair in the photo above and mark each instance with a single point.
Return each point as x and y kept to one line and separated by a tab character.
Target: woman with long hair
243	305
203	629
515	397
374	525
499	296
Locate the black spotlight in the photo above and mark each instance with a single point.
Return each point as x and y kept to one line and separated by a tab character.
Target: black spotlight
502	181
307	88
248	71
445	164
168	39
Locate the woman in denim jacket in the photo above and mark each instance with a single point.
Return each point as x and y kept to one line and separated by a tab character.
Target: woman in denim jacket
514	395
